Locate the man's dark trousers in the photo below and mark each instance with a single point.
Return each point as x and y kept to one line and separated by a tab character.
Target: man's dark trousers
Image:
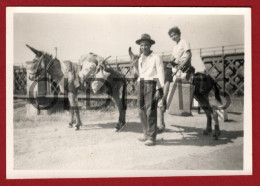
147	106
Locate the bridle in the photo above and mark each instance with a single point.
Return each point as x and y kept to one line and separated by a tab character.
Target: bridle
49	64
39	76
134	63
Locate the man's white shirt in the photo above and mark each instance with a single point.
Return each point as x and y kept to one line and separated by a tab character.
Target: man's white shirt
151	68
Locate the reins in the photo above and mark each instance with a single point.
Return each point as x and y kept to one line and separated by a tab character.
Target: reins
97	68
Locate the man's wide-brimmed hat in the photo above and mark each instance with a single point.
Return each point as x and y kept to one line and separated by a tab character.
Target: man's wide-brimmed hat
145	37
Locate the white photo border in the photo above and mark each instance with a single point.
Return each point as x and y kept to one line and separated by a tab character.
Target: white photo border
247	147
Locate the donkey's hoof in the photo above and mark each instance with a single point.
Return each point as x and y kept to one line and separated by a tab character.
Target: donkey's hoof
160	130
216	135
206	132
77	127
72	122
70	126
120	127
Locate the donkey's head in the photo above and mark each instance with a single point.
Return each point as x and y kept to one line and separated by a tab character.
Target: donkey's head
37	66
134	62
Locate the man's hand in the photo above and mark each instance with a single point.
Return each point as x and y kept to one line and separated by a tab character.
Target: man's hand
180	67
158	94
162	104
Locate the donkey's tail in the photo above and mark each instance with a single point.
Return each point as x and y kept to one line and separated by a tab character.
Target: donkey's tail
123	99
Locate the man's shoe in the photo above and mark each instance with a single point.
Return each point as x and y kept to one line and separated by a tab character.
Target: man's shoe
142	139
150	142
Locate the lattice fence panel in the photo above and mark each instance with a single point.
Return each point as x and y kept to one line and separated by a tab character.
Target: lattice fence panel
20	80
53	87
228	71
214	67
131	83
234	74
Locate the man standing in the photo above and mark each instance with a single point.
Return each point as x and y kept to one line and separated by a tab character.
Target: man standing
151	81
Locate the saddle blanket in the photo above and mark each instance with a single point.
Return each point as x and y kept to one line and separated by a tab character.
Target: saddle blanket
179	100
86	68
70	71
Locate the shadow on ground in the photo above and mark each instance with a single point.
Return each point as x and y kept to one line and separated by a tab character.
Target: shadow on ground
129	127
190	135
194	137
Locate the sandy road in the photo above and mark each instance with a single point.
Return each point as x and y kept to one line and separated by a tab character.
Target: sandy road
46	143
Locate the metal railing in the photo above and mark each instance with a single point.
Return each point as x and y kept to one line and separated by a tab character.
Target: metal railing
217	50
123	63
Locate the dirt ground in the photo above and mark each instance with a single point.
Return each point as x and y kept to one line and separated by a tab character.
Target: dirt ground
46	142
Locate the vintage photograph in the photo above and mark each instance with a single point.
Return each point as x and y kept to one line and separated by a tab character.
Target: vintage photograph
128	92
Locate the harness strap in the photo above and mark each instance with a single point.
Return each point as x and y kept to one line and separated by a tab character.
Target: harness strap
49	64
39	63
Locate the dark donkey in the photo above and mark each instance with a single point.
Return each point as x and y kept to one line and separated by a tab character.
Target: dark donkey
44	62
203	85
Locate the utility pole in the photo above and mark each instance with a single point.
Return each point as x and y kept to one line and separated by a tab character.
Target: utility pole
56	51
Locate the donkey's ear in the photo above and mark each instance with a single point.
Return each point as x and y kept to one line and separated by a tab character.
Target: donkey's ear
131	54
37	52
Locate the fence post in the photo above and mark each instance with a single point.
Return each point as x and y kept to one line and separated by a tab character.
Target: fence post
14	88
30	109
224	70
48	85
162	55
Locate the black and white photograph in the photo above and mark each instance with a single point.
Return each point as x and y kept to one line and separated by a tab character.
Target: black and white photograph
95	92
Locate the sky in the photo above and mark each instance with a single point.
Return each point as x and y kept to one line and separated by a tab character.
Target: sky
112	33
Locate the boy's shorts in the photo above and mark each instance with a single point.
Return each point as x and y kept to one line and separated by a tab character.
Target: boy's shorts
168	74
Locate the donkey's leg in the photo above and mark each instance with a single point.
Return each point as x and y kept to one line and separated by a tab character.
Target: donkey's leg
72	119
71	109
122	111
160	121
78	120
161	110
209	122
74	107
204	103
216	127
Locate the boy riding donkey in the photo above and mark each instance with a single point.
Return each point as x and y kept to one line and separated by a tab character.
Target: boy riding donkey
179	69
